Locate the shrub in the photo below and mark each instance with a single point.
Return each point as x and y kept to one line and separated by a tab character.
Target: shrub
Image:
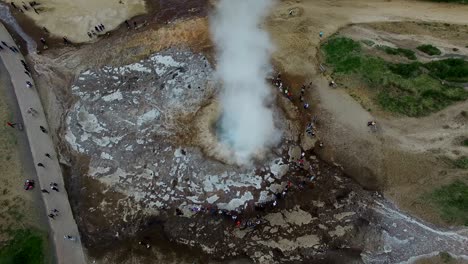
399	51
429	49
454	70
26	247
465	142
452	201
406	70
461	162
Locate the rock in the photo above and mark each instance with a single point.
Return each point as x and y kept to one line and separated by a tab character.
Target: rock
298	217
294	153
322	227
340	231
278	169
239	233
307	142
276	219
343	215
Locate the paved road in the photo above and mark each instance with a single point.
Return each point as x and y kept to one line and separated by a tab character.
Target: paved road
67	252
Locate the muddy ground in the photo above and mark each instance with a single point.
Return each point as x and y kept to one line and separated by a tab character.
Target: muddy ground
322	212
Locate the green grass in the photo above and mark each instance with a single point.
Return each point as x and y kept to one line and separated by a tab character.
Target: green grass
26	247
413	89
452	70
429	49
445	257
399	51
465	142
461	162
452	201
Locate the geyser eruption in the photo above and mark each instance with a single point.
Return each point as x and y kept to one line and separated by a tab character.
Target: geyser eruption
244	50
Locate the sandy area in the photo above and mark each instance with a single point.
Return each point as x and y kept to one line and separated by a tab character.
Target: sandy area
74	18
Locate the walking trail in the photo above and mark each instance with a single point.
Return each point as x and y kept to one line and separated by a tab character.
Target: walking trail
67	251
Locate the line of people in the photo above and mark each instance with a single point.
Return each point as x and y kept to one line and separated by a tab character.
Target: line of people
42	164
278	82
98	29
32	6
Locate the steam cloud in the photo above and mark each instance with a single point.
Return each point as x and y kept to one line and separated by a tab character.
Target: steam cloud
246	124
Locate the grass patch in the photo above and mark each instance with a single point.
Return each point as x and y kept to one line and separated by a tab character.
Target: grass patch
445	257
429	49
465	142
26	247
461	162
413	89
452	70
399	51
452	201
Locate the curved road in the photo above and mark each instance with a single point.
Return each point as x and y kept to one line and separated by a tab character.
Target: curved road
67	251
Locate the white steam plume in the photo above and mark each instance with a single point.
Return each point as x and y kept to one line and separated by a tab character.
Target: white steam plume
244	51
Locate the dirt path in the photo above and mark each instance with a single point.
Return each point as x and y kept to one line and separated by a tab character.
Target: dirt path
396	159
41	143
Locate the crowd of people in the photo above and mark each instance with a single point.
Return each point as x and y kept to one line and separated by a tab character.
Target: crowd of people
33	5
287	92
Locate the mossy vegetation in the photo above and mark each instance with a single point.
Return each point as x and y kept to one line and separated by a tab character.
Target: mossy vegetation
409	54
412	89
452	70
465	142
452	201
26	247
461	162
429	49
445	257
